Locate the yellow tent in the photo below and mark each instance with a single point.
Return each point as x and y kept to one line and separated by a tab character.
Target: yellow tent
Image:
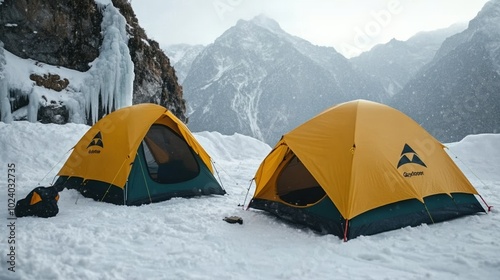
361	162
139	154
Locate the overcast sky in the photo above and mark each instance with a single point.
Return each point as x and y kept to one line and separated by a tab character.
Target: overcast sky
350	26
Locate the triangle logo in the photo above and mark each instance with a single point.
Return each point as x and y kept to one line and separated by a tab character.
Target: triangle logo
414	157
417	160
407	149
96	141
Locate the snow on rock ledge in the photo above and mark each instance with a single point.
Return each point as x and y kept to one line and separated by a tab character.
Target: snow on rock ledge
106	86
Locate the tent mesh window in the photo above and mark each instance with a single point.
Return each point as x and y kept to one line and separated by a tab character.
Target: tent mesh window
168	156
296	185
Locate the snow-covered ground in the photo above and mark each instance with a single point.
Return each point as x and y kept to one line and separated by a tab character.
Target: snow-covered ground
187	238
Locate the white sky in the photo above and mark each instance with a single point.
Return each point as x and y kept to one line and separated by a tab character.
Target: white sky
349	26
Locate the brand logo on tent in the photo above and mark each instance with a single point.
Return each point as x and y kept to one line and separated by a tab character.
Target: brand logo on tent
96	141
405	157
406	154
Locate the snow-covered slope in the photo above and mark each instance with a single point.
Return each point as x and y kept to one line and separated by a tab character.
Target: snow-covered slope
486	23
395	62
458	92
187	239
182	56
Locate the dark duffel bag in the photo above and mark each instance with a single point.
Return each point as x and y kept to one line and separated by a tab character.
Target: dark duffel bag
40	202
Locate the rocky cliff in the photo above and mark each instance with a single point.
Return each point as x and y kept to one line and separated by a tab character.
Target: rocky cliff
72	35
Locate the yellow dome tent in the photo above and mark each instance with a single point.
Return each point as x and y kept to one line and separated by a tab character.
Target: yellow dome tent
360	168
139	154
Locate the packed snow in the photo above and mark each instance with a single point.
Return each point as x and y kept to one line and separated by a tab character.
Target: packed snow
187	239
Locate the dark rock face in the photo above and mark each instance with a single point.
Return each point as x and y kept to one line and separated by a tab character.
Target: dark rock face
68	34
53	113
155	80
65	33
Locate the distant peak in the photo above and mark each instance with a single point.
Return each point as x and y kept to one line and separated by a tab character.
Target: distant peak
487	17
267	23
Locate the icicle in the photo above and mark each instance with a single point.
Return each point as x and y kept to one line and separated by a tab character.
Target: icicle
6	114
112	73
33	105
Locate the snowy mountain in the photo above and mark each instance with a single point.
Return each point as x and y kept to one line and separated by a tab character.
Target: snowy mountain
458	92
111	62
257	80
182	56
396	62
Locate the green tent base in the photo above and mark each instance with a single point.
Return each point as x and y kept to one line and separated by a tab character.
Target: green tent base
324	217
141	188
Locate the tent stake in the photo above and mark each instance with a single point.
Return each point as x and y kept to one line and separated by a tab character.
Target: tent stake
345	230
488	206
248	190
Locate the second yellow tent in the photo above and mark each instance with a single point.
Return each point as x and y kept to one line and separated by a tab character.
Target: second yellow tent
366	164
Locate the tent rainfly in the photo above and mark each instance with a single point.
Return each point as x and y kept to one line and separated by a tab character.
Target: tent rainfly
361	168
136	155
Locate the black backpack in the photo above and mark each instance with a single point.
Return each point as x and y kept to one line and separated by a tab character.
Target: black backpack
40	202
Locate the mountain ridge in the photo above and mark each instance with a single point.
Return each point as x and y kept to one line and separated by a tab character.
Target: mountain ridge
395	62
255	77
458	93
